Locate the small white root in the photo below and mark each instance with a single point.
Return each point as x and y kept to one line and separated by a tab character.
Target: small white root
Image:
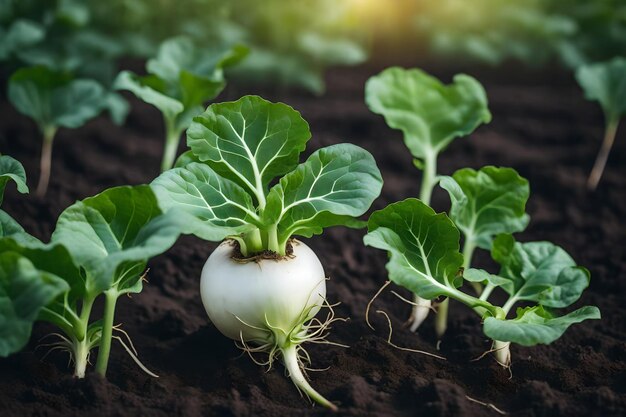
488	405
404	348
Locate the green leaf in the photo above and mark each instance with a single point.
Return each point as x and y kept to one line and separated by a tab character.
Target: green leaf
194	73
539	271
53	99
113	234
117	107
423	247
52	258
222	207
480	275
535	325
8	225
11	169
24	291
429	113
140	87
21	34
331	50
249	141
606	83
185	159
487	202
334	185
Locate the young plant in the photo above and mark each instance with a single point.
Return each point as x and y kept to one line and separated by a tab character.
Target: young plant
181	79
424	258
430	116
10	169
606	83
53	100
485	203
100	247
262	287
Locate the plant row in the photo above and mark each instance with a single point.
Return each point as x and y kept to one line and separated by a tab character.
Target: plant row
242	183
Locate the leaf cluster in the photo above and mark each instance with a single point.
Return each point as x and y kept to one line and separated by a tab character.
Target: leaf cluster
100	246
238	150
425	258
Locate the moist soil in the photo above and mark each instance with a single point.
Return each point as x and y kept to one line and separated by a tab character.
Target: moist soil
542	126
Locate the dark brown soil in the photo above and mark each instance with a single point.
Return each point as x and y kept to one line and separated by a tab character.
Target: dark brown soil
542	126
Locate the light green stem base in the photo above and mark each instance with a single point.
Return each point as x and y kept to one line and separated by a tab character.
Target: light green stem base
441	322
171	148
45	163
502	352
603	154
81	356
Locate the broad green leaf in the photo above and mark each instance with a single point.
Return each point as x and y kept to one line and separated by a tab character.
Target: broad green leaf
8	225
170	107
605	82
334	185
12	169
112	233
222	207
24	291
20	34
331	50
250	141
423	247
487	202
51	258
117	107
480	275
429	113
193	75
53	99
534	325
539	271
185	159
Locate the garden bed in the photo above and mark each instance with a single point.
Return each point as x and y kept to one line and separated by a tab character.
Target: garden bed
542	126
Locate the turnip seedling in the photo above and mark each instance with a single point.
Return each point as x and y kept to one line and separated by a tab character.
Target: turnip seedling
261	286
99	248
53	100
425	258
485	203
181	79
606	83
430	116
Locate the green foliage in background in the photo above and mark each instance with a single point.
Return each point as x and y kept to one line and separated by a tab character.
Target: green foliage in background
535	32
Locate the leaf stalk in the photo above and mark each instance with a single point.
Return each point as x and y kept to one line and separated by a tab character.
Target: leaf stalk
104	352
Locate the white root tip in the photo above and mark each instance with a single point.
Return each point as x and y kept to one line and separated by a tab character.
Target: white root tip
294	368
419	313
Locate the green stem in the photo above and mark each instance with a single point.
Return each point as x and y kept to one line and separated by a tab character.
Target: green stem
441	321
45	163
272	240
603	154
107	331
484	296
468	253
83	321
172	138
253	243
290	359
509	304
421	306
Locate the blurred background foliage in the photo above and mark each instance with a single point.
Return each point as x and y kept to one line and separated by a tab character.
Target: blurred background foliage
292	42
